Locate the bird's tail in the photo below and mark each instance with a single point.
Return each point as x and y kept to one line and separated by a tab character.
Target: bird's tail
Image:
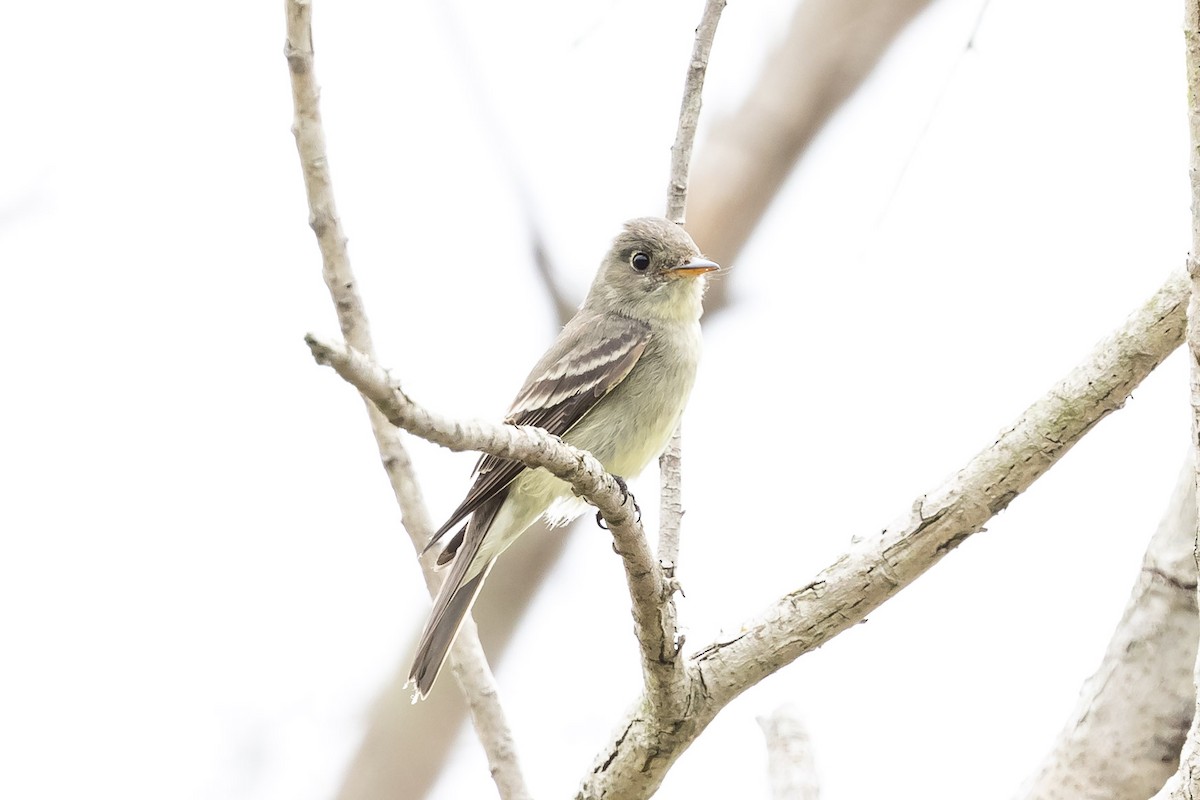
468	570
449	612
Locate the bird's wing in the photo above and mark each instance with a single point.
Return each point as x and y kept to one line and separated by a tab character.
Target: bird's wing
591	356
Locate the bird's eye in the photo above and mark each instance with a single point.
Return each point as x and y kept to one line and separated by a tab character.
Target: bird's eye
639	261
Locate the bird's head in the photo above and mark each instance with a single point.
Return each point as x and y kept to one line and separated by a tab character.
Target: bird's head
653	271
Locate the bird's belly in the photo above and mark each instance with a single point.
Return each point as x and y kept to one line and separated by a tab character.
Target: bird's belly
633	423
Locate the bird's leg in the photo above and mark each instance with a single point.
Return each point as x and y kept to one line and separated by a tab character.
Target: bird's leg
625	495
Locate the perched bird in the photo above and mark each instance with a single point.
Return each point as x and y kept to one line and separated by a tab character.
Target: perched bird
614	383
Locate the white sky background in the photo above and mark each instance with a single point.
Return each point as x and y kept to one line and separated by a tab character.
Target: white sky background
203	582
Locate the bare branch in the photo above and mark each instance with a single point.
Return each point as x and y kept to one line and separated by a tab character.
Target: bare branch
662	666
1123	739
878	566
653	613
470	666
790	763
670	503
689	111
323	218
669	463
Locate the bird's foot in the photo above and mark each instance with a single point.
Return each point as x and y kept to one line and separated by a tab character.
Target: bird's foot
628	495
625	496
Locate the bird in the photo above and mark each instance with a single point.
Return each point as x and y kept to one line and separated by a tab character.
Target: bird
614	383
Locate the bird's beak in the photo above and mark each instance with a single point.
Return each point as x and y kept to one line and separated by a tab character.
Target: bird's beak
693	268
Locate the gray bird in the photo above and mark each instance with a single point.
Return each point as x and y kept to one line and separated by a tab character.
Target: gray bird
614	383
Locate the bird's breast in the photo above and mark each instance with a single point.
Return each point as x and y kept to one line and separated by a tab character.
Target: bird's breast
632	424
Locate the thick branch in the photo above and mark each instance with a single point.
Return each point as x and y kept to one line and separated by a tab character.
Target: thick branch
1123	739
939	521
878	566
1186	783
470	665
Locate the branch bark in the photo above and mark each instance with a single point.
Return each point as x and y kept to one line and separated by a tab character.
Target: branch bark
1186	782
670	503
878	566
689	111
470	666
1123	739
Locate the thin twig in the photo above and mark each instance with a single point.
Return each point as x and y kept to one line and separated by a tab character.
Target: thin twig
471	669
667	672
670	503
670	477
689	111
879	565
534	447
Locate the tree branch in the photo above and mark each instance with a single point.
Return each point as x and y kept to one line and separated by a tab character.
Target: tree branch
670	503
689	111
878	566
669	463
1123	739
470	665
1186	782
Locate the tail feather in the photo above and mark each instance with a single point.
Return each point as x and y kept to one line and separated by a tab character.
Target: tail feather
454	600
441	631
451	548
